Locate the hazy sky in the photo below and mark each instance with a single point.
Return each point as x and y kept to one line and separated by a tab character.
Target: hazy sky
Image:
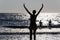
16	6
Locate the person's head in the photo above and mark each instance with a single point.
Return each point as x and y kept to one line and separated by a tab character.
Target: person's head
34	11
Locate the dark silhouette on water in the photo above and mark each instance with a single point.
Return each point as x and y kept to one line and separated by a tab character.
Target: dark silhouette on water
40	24
33	27
50	24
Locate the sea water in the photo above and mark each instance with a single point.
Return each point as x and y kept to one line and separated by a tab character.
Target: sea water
26	37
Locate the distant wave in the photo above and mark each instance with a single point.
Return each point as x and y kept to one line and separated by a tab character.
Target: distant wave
12	19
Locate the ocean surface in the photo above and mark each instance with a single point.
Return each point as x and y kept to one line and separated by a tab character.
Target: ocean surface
18	20
26	37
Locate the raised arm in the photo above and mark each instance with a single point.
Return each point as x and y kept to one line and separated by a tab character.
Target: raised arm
39	10
26	9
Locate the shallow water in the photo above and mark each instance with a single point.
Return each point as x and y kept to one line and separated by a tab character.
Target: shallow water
26	37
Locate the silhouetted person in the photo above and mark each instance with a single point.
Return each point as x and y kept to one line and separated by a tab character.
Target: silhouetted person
40	24
49	24
33	25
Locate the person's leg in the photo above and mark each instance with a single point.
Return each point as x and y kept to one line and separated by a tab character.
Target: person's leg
30	34
34	34
49	27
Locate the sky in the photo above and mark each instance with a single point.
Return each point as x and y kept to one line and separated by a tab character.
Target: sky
16	6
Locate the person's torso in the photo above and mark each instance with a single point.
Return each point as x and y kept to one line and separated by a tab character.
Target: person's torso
33	19
33	22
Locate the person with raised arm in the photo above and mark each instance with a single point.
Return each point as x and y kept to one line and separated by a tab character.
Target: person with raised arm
33	27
